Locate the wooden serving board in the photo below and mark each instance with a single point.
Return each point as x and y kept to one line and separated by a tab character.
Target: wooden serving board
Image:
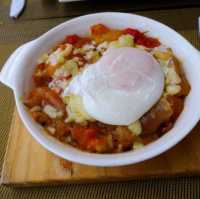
28	163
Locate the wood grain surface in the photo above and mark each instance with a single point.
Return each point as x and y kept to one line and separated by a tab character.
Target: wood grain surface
27	163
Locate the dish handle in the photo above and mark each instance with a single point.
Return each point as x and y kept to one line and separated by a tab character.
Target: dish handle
7	72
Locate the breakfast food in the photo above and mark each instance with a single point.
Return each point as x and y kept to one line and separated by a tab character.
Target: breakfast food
109	92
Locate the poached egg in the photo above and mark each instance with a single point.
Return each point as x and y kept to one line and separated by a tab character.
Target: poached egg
120	87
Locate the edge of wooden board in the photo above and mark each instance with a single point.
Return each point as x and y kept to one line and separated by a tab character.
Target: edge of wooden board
4	179
100	180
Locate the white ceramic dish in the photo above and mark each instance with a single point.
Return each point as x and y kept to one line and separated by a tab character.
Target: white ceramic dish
18	69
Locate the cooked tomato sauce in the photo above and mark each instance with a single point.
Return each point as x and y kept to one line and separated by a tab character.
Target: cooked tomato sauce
94	136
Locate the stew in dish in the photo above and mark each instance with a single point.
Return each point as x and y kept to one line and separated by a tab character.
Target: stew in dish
65	118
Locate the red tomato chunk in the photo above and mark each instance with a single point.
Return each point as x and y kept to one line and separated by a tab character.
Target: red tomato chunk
141	39
72	39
